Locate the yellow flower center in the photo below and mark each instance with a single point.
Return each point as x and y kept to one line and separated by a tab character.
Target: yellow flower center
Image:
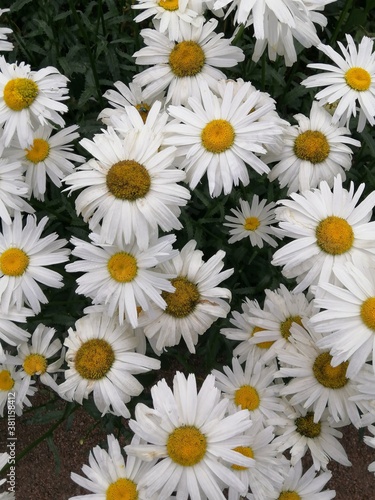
14	262
247	397
94	359
143	110
128	180
35	363
6	381
262	345
247	452
307	427
334	235
251	223
368	312
186	59
311	146
20	93
333	377
122	489
217	136
183	301
38	151
122	267
169	4
358	79
289	495
285	325
186	445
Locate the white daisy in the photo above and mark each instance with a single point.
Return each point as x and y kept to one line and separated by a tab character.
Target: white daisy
4	32
221	137
315	383
11	333
327	228
182	67
24	255
348	322
10	383
190	434
109	476
48	156
314	150
130	187
194	304
29	99
101	359
253	222
123	278
370	441
251	388
351	81
13	190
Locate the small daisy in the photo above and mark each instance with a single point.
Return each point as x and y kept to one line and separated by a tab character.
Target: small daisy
24	256
130	187
29	99
348	322
48	156
194	304
11	333
101	359
222	138
253	222
4	32
13	190
182	67
10	384
109	476
370	441
327	229
351	81
123	278
314	150
190	434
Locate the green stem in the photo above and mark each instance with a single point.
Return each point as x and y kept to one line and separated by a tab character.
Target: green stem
238	34
347	6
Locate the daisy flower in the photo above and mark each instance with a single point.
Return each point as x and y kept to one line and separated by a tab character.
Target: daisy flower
315	383
24	255
109	476
253	222
130	187
123	278
10	383
190	434
221	137
352	81
370	441
29	99
314	150
195	302
182	67
48	156
327	229
4	32
101	359
11	333
13	190
251	388
347	310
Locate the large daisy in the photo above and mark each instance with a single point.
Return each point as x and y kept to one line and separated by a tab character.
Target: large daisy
221	136
29	99
327	229
352	81
182	67
101	359
130	187
191	436
24	255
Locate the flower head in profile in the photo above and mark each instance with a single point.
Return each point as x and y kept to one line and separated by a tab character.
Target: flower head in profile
351	81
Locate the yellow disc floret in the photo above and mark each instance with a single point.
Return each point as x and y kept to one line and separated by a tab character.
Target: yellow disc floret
122	267
94	359
6	380
143	110
311	146
334	235
186	59
358	79
186	445
368	312
217	136
122	489
38	151
261	345
14	262
35	363
307	427
128	180
247	452
333	377
20	93
286	324
170	5
289	495
247	397
251	223
183	301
